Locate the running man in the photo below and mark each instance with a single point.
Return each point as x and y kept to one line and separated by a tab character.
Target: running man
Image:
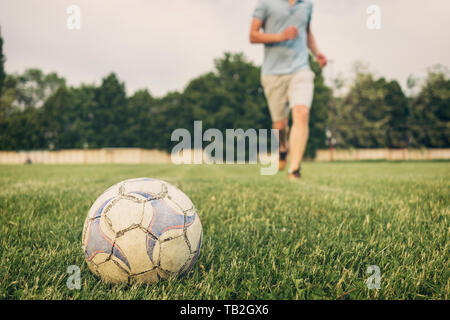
283	26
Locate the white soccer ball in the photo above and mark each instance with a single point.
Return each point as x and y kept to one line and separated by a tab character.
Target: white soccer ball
141	230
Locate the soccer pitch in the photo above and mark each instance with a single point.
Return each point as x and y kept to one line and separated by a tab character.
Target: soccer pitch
263	236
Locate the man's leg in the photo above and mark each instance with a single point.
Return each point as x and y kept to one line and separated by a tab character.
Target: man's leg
275	90
282	126
299	135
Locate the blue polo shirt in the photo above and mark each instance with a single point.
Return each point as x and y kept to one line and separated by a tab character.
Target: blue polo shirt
288	56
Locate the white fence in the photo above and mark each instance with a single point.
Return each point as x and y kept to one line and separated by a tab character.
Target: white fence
143	156
88	156
382	154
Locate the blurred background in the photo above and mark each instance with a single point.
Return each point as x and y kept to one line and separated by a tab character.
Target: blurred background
136	70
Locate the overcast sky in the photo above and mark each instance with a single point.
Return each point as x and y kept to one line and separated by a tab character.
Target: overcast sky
162	44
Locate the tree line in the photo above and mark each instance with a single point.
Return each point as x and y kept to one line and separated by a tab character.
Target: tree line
40	111
376	113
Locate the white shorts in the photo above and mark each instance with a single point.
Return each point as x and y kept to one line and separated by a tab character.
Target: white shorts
285	91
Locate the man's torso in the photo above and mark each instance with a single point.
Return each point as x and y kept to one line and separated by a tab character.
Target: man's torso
288	56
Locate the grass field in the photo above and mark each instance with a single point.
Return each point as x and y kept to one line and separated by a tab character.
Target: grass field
264	237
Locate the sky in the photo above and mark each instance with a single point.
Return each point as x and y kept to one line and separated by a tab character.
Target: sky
160	45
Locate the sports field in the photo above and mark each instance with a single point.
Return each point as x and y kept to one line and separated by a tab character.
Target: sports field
263	237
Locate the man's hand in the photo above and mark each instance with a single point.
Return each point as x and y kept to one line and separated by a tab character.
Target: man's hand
321	59
290	33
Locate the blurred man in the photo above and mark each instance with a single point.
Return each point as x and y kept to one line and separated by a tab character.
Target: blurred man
283	26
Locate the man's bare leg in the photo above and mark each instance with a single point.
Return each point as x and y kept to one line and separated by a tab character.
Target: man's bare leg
299	136
282	126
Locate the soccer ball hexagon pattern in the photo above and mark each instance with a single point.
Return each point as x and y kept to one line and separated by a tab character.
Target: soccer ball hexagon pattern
141	230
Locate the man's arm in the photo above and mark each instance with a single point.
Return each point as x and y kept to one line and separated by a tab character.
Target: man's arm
312	45
256	36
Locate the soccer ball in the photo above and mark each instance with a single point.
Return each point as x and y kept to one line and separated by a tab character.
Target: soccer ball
141	230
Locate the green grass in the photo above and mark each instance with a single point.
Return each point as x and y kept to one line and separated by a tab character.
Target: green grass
264	237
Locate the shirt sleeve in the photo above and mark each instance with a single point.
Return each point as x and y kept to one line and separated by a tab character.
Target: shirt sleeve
260	11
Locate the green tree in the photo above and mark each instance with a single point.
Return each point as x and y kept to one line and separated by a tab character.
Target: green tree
83	106
139	129
229	97
33	87
373	114
57	118
242	92
170	112
7	98
20	115
22	131
2	65
430	112
398	107
110	114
